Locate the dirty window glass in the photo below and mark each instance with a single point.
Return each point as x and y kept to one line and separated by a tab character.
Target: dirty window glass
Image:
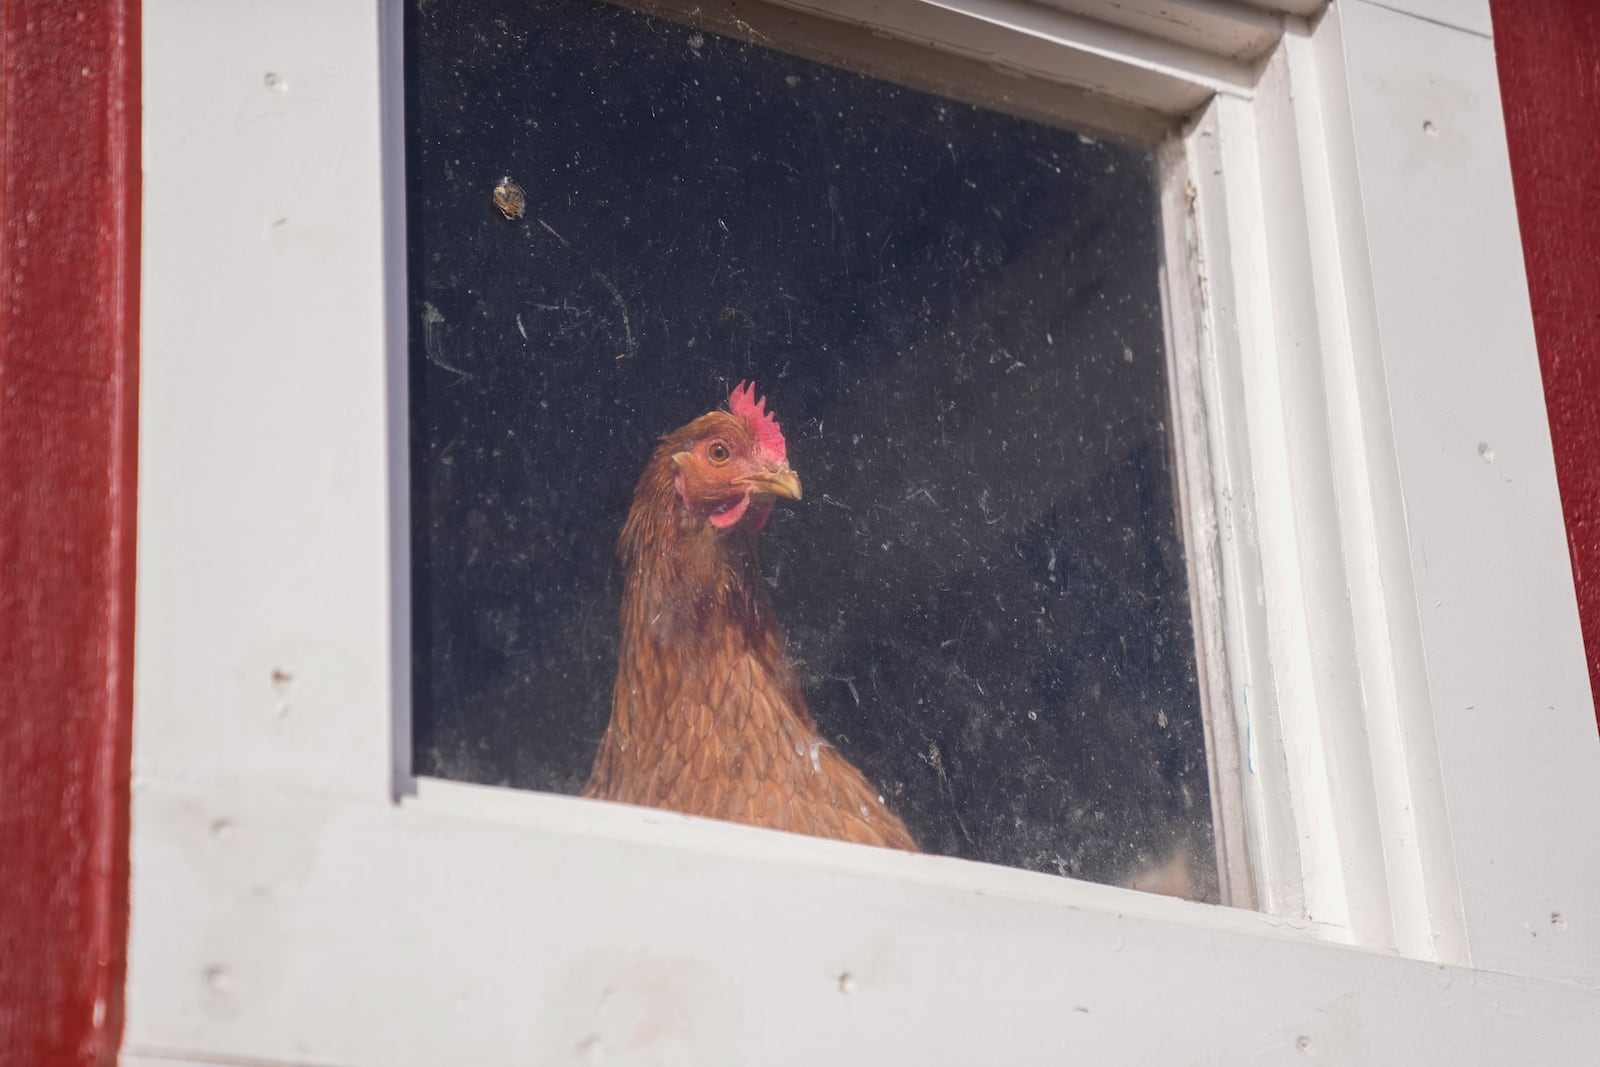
954	315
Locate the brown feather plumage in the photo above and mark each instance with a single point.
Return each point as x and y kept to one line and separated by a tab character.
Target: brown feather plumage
708	716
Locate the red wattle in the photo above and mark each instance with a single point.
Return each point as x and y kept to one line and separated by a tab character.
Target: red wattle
724	519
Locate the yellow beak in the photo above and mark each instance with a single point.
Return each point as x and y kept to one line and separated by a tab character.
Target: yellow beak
785	483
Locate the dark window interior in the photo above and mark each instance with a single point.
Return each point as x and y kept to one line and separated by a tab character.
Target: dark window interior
955	315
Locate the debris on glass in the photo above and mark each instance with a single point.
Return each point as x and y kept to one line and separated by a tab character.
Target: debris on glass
954	313
510	199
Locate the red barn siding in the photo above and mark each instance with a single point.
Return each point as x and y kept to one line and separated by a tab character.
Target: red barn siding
1549	58
69	312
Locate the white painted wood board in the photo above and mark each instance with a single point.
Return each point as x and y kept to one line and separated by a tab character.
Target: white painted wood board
1513	713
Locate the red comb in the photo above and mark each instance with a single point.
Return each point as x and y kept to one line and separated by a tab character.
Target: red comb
763	427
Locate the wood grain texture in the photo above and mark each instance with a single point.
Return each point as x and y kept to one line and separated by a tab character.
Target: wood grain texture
69	270
1548	55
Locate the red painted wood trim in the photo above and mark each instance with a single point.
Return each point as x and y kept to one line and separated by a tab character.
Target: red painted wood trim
69	329
1548	52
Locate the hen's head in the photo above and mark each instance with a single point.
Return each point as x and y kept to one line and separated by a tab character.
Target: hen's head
732	464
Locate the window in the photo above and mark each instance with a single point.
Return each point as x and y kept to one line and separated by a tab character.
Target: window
1392	646
957	314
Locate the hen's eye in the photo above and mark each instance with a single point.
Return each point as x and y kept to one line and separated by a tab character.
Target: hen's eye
718	452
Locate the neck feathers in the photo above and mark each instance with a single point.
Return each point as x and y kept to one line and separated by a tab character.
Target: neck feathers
686	578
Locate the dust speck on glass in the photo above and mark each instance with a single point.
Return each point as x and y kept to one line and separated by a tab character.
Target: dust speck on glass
954	313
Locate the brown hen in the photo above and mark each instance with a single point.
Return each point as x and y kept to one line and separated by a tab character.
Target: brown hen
708	716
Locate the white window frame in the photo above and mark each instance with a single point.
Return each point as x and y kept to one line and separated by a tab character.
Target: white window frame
1368	486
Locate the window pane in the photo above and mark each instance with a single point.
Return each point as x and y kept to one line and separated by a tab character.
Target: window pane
955	315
